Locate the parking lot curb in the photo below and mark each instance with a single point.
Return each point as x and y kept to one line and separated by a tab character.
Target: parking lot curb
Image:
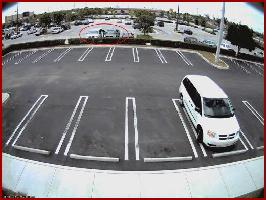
39	151
216	155
172	159
94	158
5	98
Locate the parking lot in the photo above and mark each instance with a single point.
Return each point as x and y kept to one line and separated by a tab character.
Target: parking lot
117	107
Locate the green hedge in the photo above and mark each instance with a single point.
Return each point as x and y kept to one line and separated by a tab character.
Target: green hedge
132	41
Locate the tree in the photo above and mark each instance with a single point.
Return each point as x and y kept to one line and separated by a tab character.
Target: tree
241	36
145	20
58	17
162	13
203	23
197	21
45	19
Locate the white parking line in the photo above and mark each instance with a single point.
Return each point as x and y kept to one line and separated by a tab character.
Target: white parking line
110	54
186	129
135	54
83	56
62	55
260	148
25	117
253	68
135	128
195	134
76	126
21	59
184	58
246	139
245	146
259	67
241	67
11	58
160	56
254	111
30	118
68	126
42	56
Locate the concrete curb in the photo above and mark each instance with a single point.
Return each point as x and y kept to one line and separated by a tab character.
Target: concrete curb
5	98
216	155
39	151
94	158
172	159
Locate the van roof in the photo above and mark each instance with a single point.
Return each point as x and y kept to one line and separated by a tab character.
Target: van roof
206	86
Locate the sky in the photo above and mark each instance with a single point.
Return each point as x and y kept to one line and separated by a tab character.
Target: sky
234	11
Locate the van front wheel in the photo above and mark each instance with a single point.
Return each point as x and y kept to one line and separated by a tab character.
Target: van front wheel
181	100
199	135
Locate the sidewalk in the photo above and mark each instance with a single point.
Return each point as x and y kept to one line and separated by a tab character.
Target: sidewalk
242	178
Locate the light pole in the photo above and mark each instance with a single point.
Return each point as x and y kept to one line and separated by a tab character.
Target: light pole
220	35
17	17
176	27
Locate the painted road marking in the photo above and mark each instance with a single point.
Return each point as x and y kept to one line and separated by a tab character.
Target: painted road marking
135	128
44	97
94	158
11	58
246	139
254	111
253	68
195	134
21	59
76	126
83	56
42	56
170	159
185	127
258	65
135	54
110	54
68	126
62	55
25	117
260	148
184	58
160	56
241	67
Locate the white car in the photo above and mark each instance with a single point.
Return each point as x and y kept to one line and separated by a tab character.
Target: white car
92	34
226	47
210	111
56	30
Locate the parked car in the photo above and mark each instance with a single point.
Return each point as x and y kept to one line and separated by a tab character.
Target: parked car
112	33
136	26
66	26
40	31
107	18
56	30
128	22
85	22
119	21
31	31
259	54
209	43
227	47
210	111
188	31
127	35
191	40
77	23
93	34
160	24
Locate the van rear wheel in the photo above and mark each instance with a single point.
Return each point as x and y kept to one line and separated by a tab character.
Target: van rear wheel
199	135
181	100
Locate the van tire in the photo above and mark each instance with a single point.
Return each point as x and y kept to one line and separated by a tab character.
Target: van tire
181	100
199	135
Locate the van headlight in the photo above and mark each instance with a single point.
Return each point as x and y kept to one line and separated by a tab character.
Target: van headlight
211	134
238	133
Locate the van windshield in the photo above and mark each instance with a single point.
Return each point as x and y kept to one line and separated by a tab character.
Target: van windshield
217	108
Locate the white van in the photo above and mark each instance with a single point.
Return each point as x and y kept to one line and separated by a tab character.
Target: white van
210	111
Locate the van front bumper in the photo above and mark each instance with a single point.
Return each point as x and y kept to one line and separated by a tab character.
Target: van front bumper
215	142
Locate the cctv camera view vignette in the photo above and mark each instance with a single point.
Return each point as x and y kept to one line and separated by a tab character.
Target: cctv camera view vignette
133	99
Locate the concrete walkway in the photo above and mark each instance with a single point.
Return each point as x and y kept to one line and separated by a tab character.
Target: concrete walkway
242	178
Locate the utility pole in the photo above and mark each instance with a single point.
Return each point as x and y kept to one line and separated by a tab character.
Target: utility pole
220	35
17	17
176	27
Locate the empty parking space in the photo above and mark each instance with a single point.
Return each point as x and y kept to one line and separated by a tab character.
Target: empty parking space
161	132
149	56
100	132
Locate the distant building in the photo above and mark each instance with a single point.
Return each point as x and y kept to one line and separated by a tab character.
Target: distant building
21	17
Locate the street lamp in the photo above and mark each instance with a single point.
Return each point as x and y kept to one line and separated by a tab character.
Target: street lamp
220	35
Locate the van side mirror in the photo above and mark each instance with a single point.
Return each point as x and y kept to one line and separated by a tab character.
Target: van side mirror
197	109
